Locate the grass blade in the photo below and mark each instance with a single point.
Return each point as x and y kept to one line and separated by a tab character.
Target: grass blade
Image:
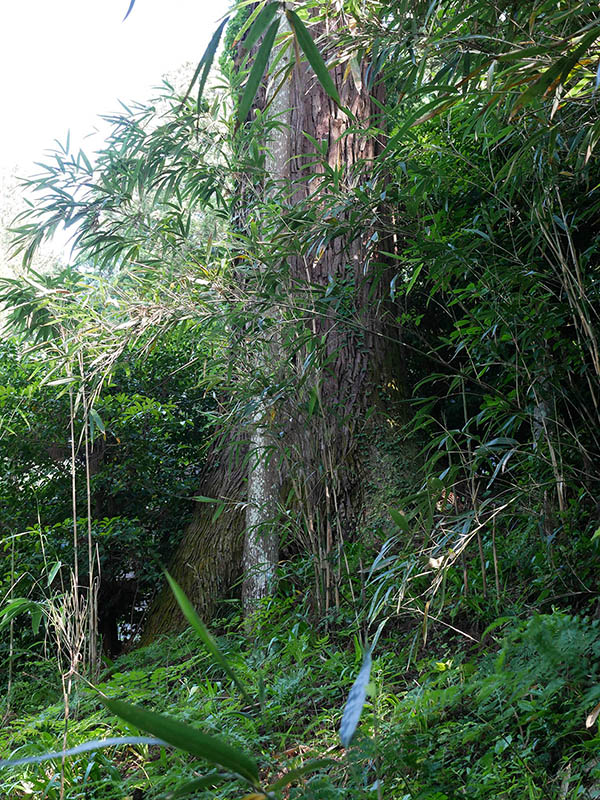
192	617
86	747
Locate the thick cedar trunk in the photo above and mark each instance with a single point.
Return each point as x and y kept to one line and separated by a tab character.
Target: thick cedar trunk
315	115
328	479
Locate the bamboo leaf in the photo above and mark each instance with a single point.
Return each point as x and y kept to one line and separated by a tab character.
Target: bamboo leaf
209	55
260	25
218	511
36	618
399	519
314	396
86	747
257	72
313	56
355	702
556	73
15	607
184	737
413	277
249	22
52	574
60	381
356	73
205	62
97	420
129	10
213	648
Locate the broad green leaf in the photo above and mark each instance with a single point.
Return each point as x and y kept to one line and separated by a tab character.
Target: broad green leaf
414	277
399	519
314	765
249	21
313	56
97	420
53	571
213	648
257	72
15	607
36	618
184	737
260	25
355	702
202	499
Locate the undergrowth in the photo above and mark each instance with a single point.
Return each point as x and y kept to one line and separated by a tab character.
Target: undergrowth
504	720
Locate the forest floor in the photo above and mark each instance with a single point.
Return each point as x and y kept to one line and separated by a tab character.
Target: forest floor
449	717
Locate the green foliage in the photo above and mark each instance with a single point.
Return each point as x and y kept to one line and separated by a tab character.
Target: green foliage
183	737
477	220
257	71
204	65
146	435
503	726
502	721
203	633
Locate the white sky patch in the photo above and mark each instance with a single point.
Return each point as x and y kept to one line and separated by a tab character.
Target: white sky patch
64	62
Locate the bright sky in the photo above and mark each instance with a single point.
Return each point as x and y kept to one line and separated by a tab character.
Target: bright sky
63	62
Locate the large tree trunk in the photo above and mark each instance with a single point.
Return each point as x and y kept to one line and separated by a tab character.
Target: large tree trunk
328	469
319	450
